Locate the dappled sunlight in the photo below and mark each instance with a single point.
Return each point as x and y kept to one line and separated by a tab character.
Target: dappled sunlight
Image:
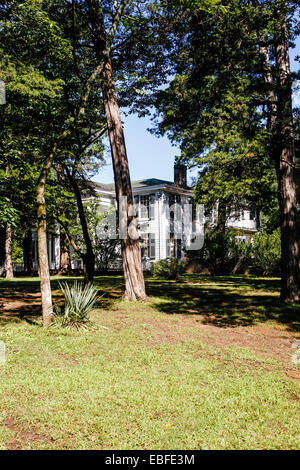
226	301
223	301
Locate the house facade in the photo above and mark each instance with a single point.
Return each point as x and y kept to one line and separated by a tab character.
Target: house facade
167	219
164	229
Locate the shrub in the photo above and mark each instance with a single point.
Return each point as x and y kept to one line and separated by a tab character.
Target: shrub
169	268
80	300
266	252
222	253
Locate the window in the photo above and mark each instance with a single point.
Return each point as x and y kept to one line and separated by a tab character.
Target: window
144	208
172	246
147	243
174	202
144	242
136	205
152	245
52	250
152	206
252	215
168	249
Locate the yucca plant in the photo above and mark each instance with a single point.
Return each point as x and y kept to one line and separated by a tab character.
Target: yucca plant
80	299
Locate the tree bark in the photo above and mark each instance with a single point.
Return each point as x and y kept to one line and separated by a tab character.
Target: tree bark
285	164
282	151
222	216
130	246
2	247
47	308
8	255
27	253
65	258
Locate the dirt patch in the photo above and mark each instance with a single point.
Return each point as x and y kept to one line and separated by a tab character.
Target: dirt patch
24	436
294	374
16	305
264	341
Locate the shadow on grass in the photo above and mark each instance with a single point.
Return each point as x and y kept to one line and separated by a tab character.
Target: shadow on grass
223	301
20	297
226	301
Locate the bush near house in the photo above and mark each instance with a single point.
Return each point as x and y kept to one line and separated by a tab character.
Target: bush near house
222	253
169	268
225	253
266	253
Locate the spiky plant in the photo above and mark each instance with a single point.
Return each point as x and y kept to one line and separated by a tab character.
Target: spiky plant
80	300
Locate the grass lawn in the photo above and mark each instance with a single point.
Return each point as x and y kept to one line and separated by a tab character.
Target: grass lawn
205	364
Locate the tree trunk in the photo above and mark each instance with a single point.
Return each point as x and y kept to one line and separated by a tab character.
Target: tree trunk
88	258
8	255
2	248
282	152
130	246
65	259
44	273
285	164
222	216
27	253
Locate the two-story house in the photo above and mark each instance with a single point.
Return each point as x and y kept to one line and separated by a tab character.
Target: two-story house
166	218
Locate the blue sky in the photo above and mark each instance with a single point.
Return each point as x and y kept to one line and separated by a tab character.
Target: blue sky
148	156
153	157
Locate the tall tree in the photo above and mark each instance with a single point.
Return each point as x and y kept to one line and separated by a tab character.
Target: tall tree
285	159
232	87
131	254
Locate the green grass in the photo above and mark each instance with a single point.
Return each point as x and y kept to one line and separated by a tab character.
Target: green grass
203	365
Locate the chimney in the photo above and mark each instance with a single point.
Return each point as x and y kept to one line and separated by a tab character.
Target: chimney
180	175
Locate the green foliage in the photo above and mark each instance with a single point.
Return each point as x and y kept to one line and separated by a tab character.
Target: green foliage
227	253
8	214
215	107
104	241
106	245
222	253
169	268
266	252
80	300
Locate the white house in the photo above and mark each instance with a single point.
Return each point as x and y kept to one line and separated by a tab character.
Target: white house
167	220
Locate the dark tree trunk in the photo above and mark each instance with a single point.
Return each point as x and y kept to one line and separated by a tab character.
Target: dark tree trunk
65	258
222	213
8	253
285	164
282	151
130	246
27	253
88	258
2	247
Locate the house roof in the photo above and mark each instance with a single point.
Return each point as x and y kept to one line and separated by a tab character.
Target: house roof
150	182
144	185
136	184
